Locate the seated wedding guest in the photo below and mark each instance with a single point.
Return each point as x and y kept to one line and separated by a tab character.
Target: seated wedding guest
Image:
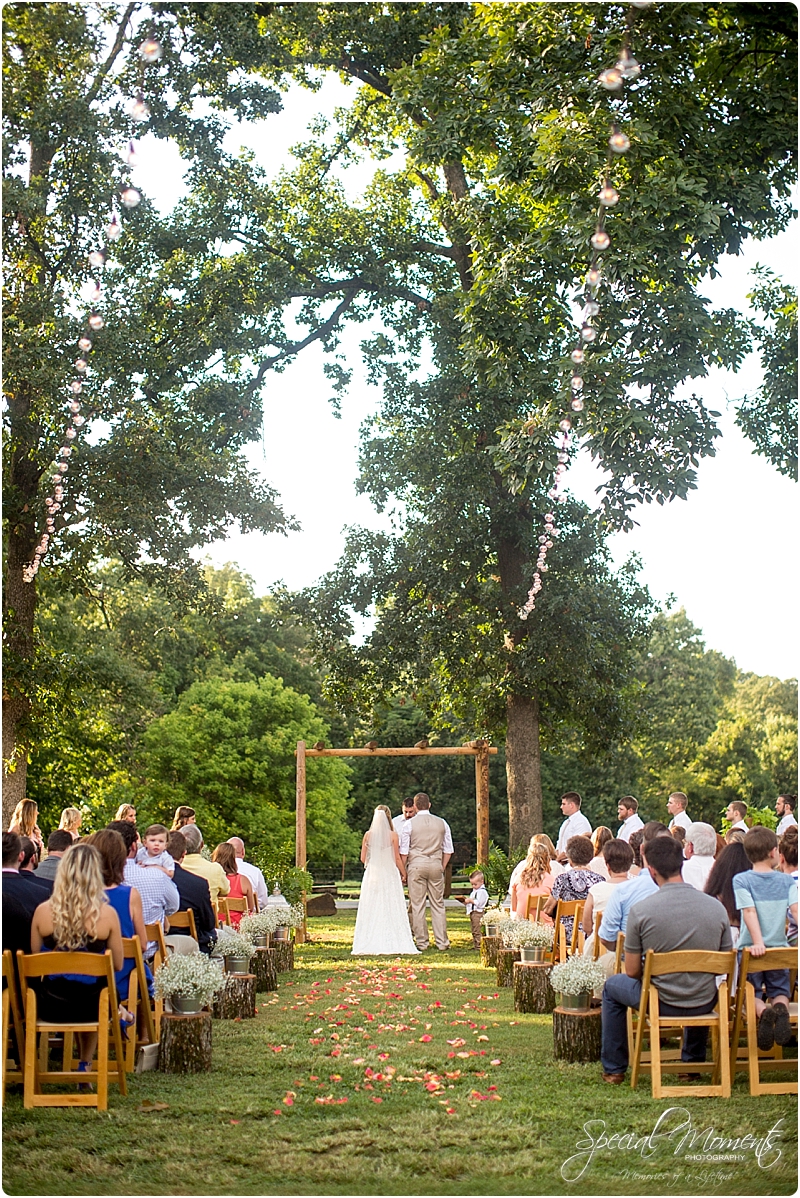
252	871
623	897
23	822
600	838
534	880
732	860
574	883
698	851
70	821
635	842
126	901
158	894
57	844
240	886
618	857
194	895
77	918
556	867
678	832
212	871
153	853
27	867
676	917
127	813
20	900
183	816
628	812
787	856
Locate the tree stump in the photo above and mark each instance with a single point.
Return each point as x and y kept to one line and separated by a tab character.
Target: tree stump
489	947
238	999
577	1034
263	965
284	955
185	1043
533	993
505	965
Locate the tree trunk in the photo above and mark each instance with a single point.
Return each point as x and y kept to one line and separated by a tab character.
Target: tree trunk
533	993
19	605
577	1034
238	999
263	964
490	946
505	965
523	770
185	1043
284	955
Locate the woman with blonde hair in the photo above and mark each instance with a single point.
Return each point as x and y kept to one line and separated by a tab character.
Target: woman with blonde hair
183	816
382	926
534	880
76	918
127	813
70	821
556	867
23	822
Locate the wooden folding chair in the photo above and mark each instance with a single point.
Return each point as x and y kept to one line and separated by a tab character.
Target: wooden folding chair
598	948
137	1002
221	912
183	919
652	1023
154	931
234	904
533	907
94	965
563	948
745	1020
12	1018
619	952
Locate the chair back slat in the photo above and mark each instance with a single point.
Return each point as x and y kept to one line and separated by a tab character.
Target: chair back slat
184	919
689	961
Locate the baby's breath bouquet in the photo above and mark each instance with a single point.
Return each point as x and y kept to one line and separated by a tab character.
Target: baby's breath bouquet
293	918
578	975
492	915
190	975
525	934
261	923
233	944
506	930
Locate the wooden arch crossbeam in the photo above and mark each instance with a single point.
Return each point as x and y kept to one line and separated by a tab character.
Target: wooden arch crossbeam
479	749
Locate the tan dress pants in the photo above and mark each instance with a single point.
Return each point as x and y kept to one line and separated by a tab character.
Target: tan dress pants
426	881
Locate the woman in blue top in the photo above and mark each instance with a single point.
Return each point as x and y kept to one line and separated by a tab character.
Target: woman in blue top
126	901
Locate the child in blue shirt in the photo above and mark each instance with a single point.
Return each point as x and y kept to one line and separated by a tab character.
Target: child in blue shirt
765	897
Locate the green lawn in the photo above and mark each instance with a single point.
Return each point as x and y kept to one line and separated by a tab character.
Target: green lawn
412	1076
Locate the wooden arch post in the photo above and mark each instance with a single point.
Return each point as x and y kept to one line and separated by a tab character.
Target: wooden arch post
479	749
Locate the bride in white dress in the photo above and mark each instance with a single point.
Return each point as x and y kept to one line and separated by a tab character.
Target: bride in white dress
382	926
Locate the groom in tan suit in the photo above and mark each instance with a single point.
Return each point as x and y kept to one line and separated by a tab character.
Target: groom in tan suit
426	846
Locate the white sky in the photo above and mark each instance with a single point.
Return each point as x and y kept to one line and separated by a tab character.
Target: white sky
727	554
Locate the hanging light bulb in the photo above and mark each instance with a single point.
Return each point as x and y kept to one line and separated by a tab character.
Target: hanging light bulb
96	321
97	258
130	197
130	155
75	405
76	387
577	356
64	452
85	344
542	539
113	228
150	50
79	421
81	365
58	492
610	79
549	517
565	425
139	110
70	434
576	382
627	65
600	239
588	333
577	404
618	142
591	308
96	293
608	196
593	276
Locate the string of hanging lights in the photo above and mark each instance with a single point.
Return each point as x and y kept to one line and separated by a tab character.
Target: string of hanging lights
149	51
613	79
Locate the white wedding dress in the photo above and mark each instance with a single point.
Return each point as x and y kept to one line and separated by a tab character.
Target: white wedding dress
382	926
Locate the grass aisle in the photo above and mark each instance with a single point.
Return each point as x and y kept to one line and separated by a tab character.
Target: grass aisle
378	1076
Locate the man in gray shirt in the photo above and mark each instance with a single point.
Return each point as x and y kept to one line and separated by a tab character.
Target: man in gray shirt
57	844
677	918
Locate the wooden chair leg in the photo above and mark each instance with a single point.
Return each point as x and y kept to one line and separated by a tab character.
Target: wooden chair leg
6	1031
103	1016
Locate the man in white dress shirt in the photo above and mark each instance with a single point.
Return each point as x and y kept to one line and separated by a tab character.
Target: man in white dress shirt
699	848
408	812
576	823
627	810
676	806
736	813
250	871
784	808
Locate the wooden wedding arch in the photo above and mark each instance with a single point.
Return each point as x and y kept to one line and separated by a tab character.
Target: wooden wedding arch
479	749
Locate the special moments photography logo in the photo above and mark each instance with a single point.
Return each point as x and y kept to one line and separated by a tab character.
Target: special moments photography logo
674	1135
